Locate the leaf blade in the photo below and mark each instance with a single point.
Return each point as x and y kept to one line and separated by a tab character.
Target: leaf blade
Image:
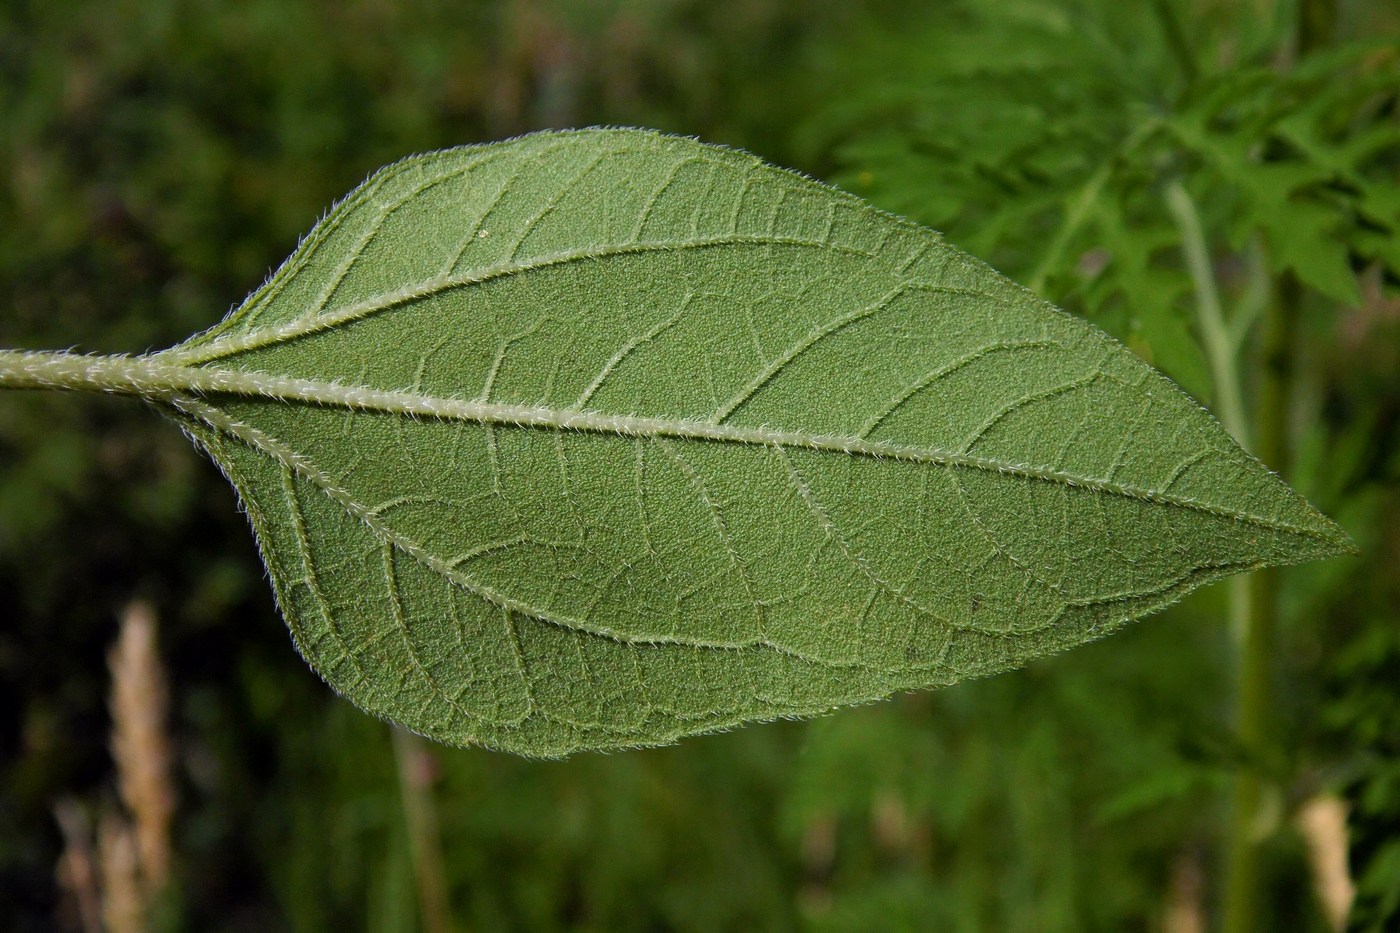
688	407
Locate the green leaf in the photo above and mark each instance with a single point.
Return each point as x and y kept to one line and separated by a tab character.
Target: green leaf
602	438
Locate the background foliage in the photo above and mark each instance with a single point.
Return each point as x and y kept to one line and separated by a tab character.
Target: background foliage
159	157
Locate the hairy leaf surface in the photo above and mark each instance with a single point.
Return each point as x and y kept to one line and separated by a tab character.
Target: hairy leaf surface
601	438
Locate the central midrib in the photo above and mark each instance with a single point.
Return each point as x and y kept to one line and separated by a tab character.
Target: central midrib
164	381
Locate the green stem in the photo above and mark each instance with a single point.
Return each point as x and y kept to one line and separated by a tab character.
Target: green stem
1315	24
20	369
1255	722
1252	599
1247	830
1215	335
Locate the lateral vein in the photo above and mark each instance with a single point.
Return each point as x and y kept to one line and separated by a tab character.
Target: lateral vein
224	346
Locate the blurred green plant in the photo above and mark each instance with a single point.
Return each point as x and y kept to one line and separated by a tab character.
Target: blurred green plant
1209	185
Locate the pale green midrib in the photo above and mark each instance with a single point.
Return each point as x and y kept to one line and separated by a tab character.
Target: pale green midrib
151	378
219	347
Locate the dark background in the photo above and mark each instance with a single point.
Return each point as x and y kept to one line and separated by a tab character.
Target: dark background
159	157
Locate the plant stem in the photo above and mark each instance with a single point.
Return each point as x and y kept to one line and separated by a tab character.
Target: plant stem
1315	24
123	375
1215	336
1255	724
1252	599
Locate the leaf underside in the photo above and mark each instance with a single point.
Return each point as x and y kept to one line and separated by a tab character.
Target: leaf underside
601	438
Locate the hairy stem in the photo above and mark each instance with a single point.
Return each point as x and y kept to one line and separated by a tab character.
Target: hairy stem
22	369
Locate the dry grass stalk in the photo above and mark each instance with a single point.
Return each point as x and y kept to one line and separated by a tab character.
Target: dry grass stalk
140	747
77	873
124	902
1322	821
1185	908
